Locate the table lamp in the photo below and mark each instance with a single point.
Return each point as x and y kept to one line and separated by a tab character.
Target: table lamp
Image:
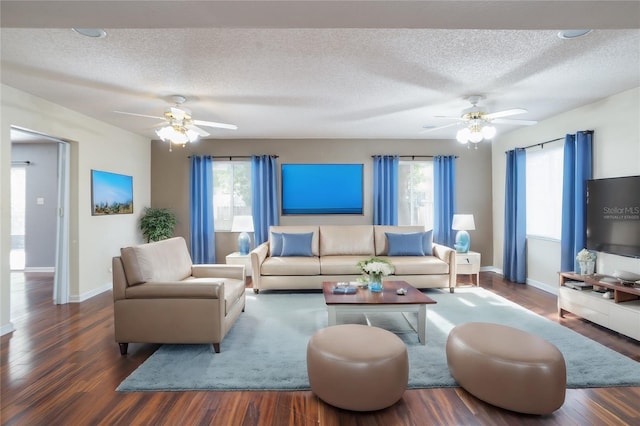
463	223
243	225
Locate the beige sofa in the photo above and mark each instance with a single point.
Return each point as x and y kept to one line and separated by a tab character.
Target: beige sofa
335	251
159	296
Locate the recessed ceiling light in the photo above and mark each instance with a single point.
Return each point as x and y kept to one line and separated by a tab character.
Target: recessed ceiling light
91	32
569	34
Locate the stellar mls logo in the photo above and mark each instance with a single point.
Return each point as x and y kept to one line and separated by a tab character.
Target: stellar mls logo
621	213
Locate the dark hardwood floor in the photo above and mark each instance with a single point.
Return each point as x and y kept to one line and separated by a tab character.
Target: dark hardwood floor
61	367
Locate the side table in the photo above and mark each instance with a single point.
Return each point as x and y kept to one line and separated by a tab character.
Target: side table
236	258
468	264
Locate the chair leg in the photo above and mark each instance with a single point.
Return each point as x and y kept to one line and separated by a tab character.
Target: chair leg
216	347
123	348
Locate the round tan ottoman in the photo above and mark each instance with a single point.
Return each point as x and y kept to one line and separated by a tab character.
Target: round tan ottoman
357	367
507	367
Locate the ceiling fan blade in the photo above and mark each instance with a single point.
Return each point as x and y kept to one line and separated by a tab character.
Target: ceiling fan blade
509	121
214	124
198	130
505	113
438	128
139	115
448	117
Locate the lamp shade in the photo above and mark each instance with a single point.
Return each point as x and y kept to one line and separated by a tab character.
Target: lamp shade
463	222
243	224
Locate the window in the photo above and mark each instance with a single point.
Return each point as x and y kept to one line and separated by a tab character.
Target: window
415	193
544	192
231	192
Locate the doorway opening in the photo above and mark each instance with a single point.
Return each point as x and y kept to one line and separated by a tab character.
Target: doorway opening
39	207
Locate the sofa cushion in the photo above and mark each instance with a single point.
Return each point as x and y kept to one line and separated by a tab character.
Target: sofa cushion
166	260
276	244
298	229
297	244
290	266
418	265
405	244
380	237
346	240
340	265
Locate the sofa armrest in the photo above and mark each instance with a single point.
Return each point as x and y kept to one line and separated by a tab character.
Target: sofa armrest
119	279
258	255
218	271
448	255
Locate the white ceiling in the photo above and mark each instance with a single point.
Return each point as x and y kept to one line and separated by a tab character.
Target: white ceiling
319	69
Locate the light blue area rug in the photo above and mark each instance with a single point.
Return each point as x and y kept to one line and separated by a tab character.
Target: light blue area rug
266	348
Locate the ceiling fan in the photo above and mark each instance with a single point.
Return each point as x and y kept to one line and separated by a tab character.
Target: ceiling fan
178	126
477	121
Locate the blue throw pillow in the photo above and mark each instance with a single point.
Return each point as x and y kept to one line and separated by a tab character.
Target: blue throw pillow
405	244
297	244
276	244
427	243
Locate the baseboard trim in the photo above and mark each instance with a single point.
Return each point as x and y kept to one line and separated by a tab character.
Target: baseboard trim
533	283
543	286
7	328
89	294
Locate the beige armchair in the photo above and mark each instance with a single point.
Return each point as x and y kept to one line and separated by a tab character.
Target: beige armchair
161	297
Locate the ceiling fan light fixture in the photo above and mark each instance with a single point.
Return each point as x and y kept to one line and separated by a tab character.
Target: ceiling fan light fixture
488	132
463	135
475	136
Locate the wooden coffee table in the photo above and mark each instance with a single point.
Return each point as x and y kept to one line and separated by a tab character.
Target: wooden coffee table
364	300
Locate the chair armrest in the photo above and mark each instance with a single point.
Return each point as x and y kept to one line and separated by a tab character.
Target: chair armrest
119	279
218	271
186	289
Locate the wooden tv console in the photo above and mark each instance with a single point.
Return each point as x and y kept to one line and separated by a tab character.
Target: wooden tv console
621	314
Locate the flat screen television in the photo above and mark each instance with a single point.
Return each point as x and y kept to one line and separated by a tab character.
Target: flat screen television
322	189
613	215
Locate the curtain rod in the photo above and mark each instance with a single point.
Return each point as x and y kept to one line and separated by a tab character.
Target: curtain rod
26	163
552	140
233	156
413	157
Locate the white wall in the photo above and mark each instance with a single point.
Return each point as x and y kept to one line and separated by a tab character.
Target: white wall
616	153
94	145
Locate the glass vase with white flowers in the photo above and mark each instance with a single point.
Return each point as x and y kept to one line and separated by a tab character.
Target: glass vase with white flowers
374	269
587	261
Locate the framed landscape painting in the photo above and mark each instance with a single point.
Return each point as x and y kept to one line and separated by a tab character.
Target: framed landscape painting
111	193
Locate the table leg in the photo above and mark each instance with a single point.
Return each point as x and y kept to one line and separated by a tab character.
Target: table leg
332	318
422	324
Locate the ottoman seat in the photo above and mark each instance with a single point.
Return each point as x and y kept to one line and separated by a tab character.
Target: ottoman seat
357	367
507	367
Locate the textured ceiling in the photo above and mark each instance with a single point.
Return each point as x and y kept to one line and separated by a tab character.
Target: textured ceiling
306	69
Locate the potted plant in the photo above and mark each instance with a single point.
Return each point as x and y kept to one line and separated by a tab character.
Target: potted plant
157	224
